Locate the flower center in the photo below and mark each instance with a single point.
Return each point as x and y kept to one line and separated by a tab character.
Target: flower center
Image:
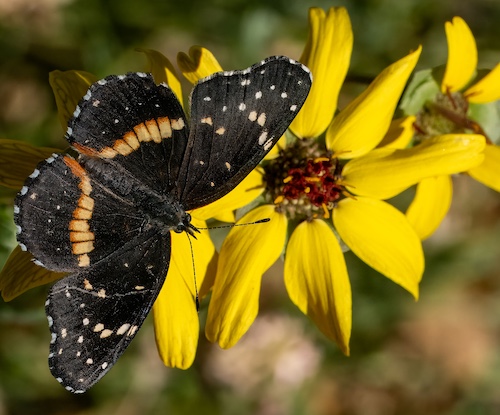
303	180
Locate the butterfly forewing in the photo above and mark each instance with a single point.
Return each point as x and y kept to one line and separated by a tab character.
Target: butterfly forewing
132	123
94	314
236	118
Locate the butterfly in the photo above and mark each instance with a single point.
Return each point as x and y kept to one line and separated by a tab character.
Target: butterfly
105	217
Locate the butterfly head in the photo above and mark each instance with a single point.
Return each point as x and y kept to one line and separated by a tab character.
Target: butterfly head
185	225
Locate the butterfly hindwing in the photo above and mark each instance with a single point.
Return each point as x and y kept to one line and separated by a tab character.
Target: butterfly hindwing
132	123
67	220
94	314
236	118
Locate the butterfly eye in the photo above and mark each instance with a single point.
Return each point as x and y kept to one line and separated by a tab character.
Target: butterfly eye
184	225
180	228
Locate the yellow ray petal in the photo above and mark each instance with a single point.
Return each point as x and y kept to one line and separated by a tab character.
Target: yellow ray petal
198	64
430	205
317	281
69	87
20	274
247	252
176	321
175	314
487	89
249	189
360	126
462	56
488	172
400	133
327	54
163	71
381	236
225	216
18	160
383	173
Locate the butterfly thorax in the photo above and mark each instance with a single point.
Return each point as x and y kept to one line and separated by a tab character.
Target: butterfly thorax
168	215
160	210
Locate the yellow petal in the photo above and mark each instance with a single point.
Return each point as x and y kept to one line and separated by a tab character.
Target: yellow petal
176	322
430	205
327	54
360	126
225	216
20	274
199	64
247	252
317	281
462	55
175	315
382	237
18	160
248	190
163	71
488	172
69	87
487	89
400	133
384	173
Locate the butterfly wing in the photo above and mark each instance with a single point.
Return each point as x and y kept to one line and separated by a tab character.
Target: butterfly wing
68	220
133	124
94	314
236	118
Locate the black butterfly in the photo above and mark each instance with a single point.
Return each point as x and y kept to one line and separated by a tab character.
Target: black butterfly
106	217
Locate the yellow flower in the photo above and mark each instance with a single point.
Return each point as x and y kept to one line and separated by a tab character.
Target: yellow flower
176	320
334	193
455	107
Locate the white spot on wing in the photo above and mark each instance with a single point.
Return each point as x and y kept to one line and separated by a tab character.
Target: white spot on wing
263	137
99	327
262	119
242	106
123	329
35	173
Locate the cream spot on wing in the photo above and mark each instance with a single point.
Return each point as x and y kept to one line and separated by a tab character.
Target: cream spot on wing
99	327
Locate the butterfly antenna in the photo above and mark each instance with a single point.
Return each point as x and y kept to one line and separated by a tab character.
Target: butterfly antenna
197	297
233	225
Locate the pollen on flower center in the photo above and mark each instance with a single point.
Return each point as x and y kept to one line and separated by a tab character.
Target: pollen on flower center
303	180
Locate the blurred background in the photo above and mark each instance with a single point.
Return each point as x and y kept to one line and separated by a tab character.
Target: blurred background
440	355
